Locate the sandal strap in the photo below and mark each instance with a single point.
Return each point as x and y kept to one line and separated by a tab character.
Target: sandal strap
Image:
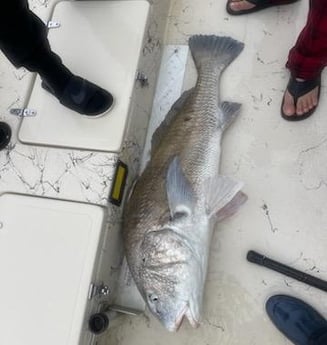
299	88
266	2
259	2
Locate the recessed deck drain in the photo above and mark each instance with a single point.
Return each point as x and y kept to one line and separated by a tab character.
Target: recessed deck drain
5	135
98	323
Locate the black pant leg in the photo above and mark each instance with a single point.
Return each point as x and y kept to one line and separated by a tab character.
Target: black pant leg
23	39
22	33
322	340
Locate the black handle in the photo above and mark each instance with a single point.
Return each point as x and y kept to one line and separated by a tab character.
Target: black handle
262	260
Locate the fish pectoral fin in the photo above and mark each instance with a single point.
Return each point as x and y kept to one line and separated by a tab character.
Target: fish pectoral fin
224	197
179	190
230	110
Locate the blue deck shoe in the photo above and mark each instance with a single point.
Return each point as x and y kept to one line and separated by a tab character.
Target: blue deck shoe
298	321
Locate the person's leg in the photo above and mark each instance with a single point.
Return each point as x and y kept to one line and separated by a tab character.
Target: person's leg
322	340
307	59
297	320
23	39
21	32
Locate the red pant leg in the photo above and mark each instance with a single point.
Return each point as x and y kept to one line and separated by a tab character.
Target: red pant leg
309	55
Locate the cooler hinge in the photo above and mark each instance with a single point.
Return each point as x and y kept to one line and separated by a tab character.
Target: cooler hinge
23	112
53	25
99	290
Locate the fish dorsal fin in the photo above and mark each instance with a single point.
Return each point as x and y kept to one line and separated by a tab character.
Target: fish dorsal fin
230	110
160	132
179	190
224	196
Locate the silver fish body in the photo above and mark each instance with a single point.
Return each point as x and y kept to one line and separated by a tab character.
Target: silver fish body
169	217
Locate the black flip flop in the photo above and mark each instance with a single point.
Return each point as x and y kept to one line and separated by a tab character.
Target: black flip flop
298	89
259	5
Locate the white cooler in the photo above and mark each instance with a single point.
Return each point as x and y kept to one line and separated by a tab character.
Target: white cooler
48	251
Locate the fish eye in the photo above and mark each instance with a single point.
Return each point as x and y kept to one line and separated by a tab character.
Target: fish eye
153	298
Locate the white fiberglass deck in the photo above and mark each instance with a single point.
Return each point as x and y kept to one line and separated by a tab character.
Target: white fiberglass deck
284	169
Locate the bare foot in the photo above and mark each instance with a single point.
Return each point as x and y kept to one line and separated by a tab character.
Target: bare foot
240	5
304	104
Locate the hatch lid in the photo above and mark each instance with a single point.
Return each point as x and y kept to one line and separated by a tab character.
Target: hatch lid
47	254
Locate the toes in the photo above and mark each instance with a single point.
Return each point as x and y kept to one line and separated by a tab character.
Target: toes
312	102
315	100
302	106
240	5
307	102
288	110
288	105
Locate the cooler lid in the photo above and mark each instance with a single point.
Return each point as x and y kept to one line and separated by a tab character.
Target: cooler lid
47	253
102	42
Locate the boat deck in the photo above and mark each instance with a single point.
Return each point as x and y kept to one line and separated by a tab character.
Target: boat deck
283	165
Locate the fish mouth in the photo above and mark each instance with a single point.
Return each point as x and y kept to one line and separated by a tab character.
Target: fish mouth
191	319
186	312
174	327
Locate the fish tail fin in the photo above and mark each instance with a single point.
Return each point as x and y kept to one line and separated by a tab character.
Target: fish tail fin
220	50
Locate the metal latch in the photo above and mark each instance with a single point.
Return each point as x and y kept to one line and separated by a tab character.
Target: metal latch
52	24
143	79
23	112
100	290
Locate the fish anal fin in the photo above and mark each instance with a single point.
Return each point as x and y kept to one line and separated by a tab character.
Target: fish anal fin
224	196
232	207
